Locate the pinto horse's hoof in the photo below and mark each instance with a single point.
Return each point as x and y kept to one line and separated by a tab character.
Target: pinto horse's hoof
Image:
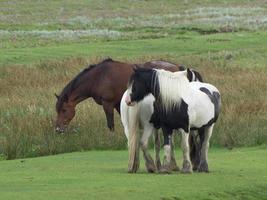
131	171
133	167
151	168
174	167
195	167
203	167
187	168
165	170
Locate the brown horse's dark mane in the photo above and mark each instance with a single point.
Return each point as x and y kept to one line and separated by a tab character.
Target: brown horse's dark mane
75	82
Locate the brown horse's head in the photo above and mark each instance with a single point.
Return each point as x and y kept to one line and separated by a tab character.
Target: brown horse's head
65	112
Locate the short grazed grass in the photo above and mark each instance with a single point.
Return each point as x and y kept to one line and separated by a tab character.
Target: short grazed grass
235	174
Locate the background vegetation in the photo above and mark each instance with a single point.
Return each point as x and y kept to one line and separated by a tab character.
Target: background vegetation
44	44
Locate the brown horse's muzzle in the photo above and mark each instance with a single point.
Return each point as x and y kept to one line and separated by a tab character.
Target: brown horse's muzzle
59	129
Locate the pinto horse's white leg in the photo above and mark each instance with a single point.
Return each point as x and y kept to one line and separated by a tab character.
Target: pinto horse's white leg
166	166
157	149
149	162
187	166
203	165
174	166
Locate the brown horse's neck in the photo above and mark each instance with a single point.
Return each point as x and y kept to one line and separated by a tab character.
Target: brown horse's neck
80	95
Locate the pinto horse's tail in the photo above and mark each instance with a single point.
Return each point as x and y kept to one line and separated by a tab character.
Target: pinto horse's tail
134	147
130	121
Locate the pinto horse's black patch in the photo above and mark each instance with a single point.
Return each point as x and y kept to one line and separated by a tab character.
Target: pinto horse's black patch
176	118
215	98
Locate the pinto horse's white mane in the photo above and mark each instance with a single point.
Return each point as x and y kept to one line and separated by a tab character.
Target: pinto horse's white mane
173	86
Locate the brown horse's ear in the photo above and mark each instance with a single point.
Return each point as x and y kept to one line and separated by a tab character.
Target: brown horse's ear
56	96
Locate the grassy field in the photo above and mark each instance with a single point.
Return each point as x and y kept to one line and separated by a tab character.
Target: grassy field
236	174
44	44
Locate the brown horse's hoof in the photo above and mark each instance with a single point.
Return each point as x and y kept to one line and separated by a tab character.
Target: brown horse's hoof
111	130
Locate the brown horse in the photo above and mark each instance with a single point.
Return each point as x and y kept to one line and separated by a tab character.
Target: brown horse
105	82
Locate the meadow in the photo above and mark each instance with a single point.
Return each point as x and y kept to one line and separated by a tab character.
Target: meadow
235	174
44	44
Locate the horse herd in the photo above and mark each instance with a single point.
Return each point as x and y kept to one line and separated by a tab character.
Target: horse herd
152	95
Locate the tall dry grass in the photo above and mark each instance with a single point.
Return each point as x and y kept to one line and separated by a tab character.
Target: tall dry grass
27	108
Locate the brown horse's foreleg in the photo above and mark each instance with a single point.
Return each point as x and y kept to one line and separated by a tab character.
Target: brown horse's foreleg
108	108
117	107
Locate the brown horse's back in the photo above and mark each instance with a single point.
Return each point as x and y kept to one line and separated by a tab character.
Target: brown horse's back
159	64
111	81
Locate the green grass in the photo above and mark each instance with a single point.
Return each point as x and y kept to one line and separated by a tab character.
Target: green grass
214	46
236	174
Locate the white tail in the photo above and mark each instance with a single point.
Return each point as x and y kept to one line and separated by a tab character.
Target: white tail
134	147
130	120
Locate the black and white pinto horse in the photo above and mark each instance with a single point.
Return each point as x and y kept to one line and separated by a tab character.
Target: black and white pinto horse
179	104
139	115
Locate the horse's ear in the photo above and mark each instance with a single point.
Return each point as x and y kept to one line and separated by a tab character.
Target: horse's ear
189	74
56	96
188	71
